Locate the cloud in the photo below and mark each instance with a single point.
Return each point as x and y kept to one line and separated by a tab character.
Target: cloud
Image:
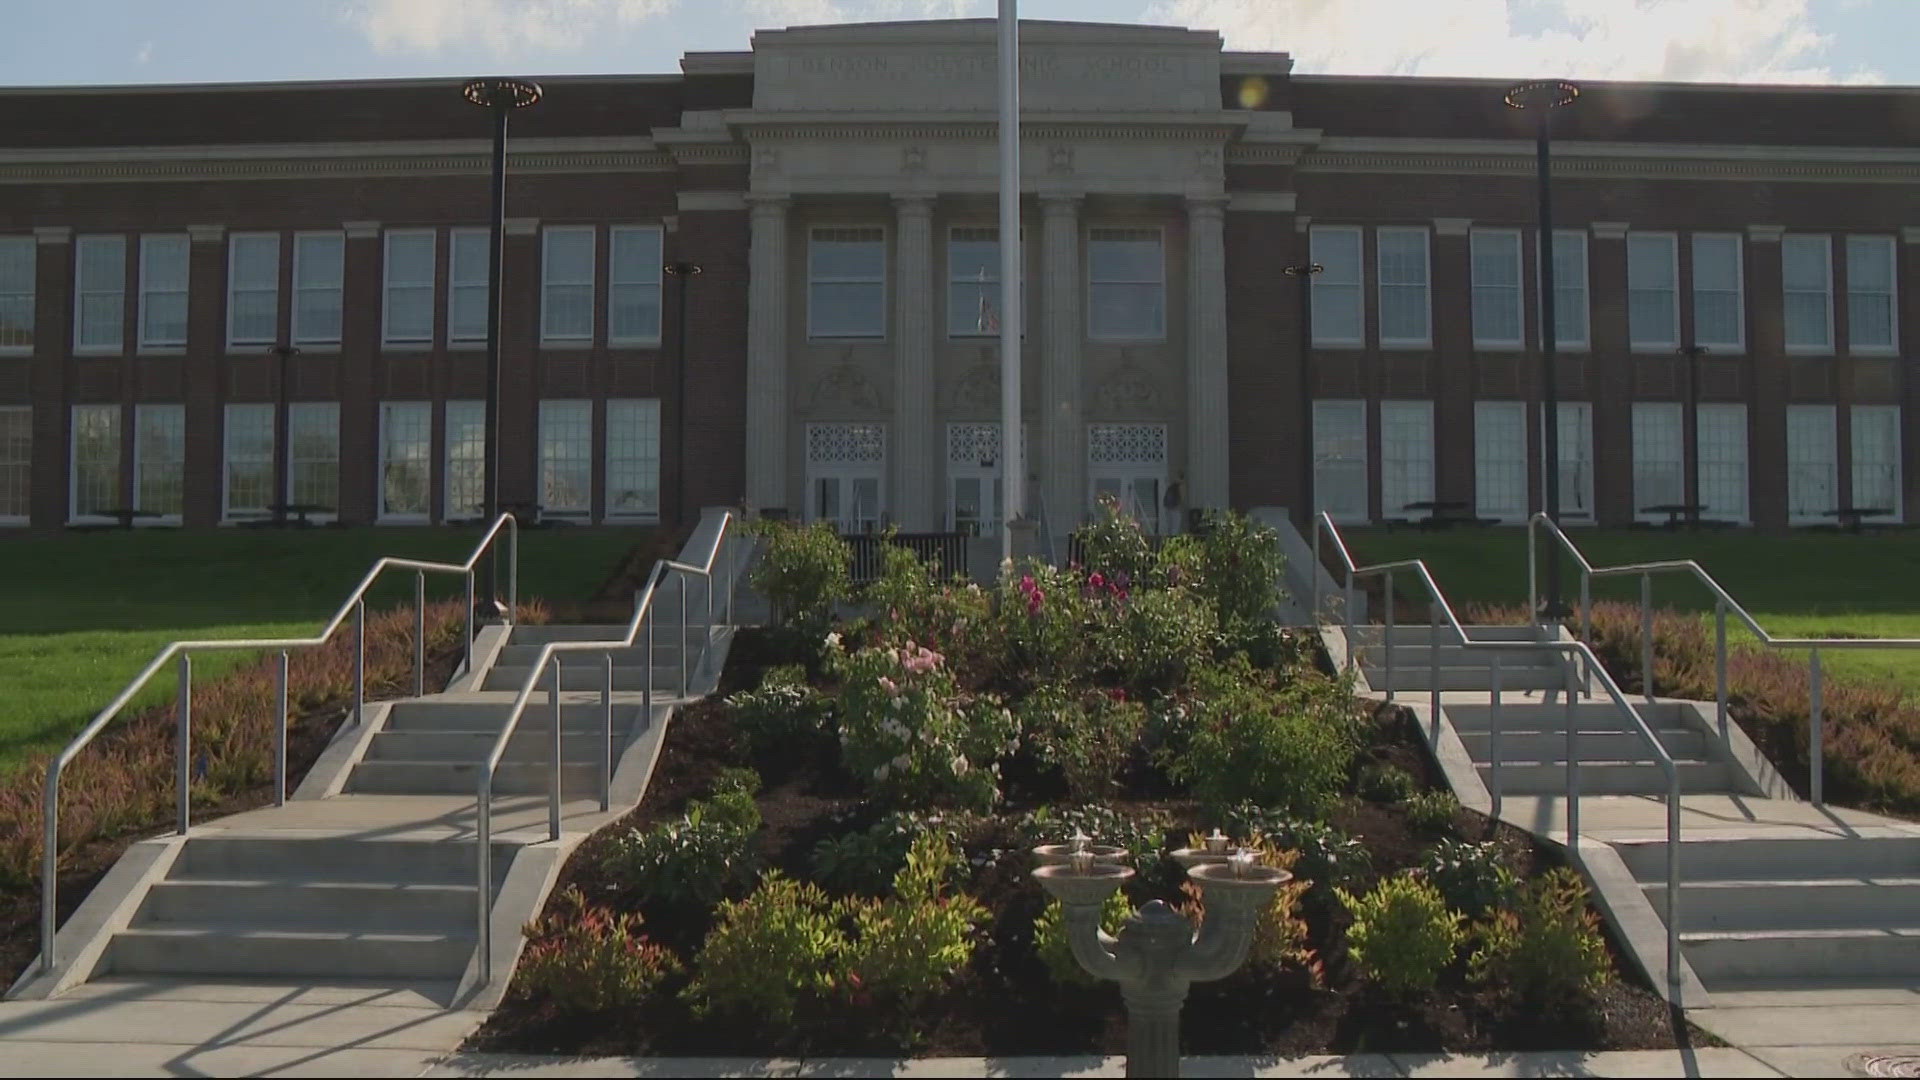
1681	40
144	53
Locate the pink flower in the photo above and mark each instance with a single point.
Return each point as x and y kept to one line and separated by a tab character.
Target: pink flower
889	686
1098	580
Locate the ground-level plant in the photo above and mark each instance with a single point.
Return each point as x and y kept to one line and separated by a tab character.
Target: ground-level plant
586	958
1403	934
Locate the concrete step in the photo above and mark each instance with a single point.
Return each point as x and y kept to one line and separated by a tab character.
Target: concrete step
461	778
664	631
1608	778
1779	859
1420	677
1879	952
1551	746
307	905
210	951
1824	903
665	650
1452	655
585	676
468	716
531	742
333	859
1423	634
1589	714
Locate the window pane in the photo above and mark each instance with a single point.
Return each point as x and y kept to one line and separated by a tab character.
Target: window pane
1336	312
569	255
409	258
1870	279
313	449
846	253
633	458
566	463
636	255
1722	440
318	260
1570	287
317	269
1812	456
1653	308
405	443
17	256
1340	458
1116	255
1500	459
1656	457
1406	454
160	457
848	309
1127	311
1804	262
96	459
466	442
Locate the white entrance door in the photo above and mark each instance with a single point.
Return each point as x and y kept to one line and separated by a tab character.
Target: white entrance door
1128	462
846	470
976	503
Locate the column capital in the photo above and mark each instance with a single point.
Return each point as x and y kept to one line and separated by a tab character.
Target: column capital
207	234
361	230
1302	222
1609	230
1061	202
913	203
1766	234
768	202
1206	205
53	234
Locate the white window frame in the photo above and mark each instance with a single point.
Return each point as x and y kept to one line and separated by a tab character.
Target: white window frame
463	458
1566	240
244	419
1890	416
632	449
1483	293
570	337
458	286
1710	435
1325	285
1406	477
1576	420
1857	243
420	290
1658	427
114	425
955	312
414	413
1738	343
814	236
16	471
1424	339
847	469
1635	341
302	415
1810	429
169	414
112	289
652	281
1330	460
1127	234
1807	241
575	413
24	253
1488	466
237	288
152	245
307	337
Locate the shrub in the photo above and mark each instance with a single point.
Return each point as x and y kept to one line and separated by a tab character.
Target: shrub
1113	544
1286	747
767	953
1142	834
910	736
1403	934
1236	565
1279	932
1327	858
910	944
1056	952
584	958
1470	876
1088	736
783	710
1432	812
802	571
1041	627
1381	782
1154	640
1546	950
692	862
859	862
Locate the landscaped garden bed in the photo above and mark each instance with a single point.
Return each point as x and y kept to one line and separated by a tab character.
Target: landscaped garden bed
833	854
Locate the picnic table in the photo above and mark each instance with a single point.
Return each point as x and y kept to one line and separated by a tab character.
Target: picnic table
1674	510
124	517
298	511
1443	513
1850	517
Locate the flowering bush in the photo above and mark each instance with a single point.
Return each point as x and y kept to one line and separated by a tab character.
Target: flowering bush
1115	546
1089	736
910	736
1150	639
1279	931
782	710
1041	626
953	616
1235	564
802	571
908	945
1471	876
585	958
1286	747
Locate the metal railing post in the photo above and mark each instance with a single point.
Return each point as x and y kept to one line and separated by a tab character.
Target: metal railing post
1586	607
1646	635
1493	738
280	732
483	864
606	736
1313	581
553	791
359	660
1351	643
513	572
1720	665
646	692
1673	889
684	649
467	661
1533	574
1573	779
1386	636
1815	732
419	633
1433	666
733	570
183	747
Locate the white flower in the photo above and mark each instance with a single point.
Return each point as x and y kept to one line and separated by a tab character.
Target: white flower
960	765
833	639
901	763
880	773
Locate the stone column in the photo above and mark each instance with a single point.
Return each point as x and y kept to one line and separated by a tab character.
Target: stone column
767	353
1206	353
914	490
1062	433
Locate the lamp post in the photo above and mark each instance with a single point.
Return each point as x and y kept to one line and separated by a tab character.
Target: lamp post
1542	98
1303	273
500	96
681	271
1690	432
282	453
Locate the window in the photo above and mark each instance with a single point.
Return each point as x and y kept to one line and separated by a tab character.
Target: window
313	453
1338	314
1569	287
1406	455
1719	313
633	458
1657	460
976	491
253	289
1870	278
973	283
99	287
249	461
566	457
1128	464
163	292
1653	302
467	266
406	455
1496	289
1722	438
846	472
16	464
1806	269
408	312
1576	459
566	289
1813	490
633	285
1405	315
160	459
466	436
1126	285
1500	460
1340	459
1876	460
318	274
95	476
17	270
846	283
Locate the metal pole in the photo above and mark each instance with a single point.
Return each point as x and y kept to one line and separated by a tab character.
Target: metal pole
1533	574
1673	892
183	748
1720	665
1493	736
1549	377
1586	607
684	649
513	572
680	270
496	256
1815	750
483	865
1433	662
1351	644
1386	636
553	790
733	570
646	693
1013	473
1573	782
419	633
359	659
606	736
280	733
1646	635
467	657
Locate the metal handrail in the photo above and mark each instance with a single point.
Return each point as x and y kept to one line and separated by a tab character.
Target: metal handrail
1723	604
549	653
1578	651
355	603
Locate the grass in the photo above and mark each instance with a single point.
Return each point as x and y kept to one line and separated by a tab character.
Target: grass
84	612
1801	584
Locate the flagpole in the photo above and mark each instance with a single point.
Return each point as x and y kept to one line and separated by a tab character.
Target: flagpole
1012	470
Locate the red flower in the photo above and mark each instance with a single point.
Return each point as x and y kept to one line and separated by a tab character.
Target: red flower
1098	580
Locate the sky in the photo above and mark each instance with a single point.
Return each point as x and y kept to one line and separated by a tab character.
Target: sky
81	42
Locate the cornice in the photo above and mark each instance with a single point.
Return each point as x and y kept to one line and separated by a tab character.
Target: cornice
466	157
1489	157
1244	153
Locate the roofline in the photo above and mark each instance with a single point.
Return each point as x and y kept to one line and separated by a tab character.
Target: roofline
318	84
1633	84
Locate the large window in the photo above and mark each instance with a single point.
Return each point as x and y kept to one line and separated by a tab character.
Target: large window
1340	459
253	289
1569	287
313	454
973	283
95	472
467	263
408	288
249	461
1722	441
1719	311
1126	285
1806	271
1870	294
160	459
100	293
1876	460
163	291
1657	458
847	283
406	459
1406	317
466	449
1406	456
1576	459
1813	489
633	285
566	458
1500	460
566	286
16	464
633	458
17	255
319	268
1338	312
1653	295
1497	318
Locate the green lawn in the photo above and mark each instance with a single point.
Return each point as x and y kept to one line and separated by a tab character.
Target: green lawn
1809	584
84	612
